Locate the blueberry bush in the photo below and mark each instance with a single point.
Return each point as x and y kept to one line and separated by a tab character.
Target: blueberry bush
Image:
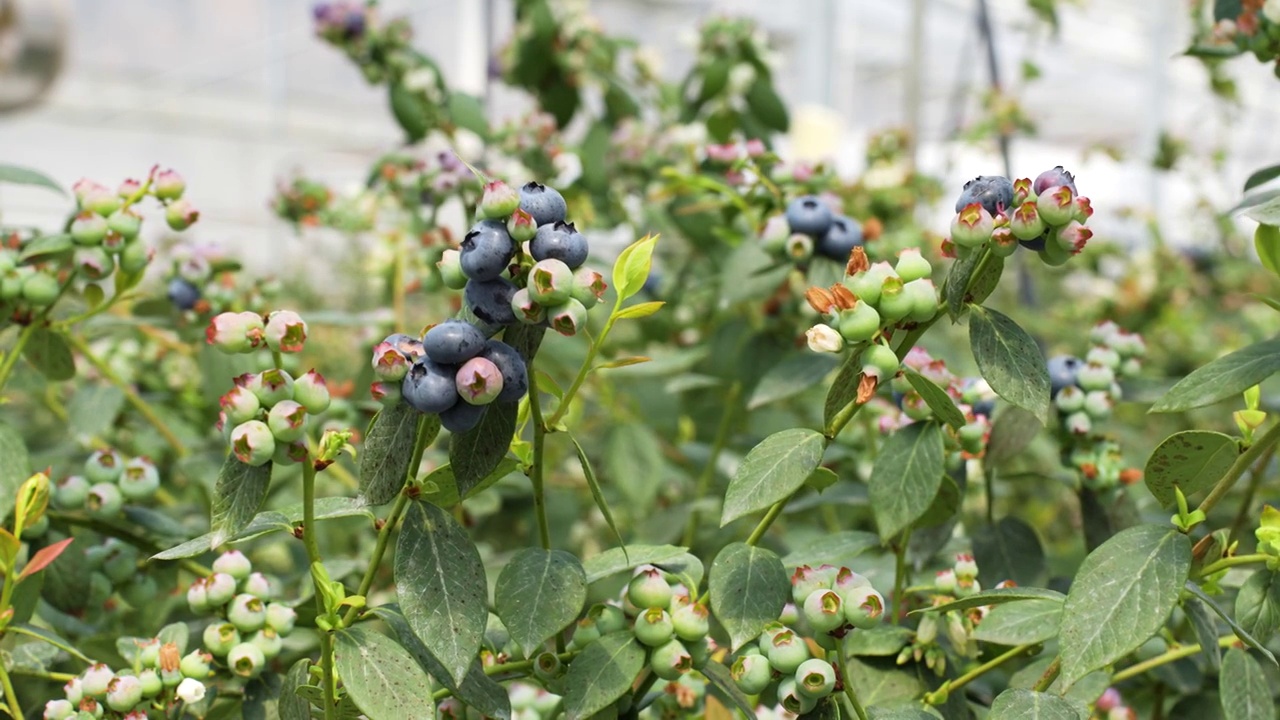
795	451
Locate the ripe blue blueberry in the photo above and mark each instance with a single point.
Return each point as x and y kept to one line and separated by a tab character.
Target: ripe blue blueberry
515	375
486	250
183	294
545	204
1063	370
430	387
453	342
808	215
1052	178
462	417
560	241
490	300
994	192
840	239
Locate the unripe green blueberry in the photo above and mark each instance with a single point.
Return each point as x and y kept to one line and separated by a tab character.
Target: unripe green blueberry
140	479
498	202
859	323
880	362
268	641
247	612
40	289
691	622
1104	356
196	664
971	228
450	266
168	185
134	257
220	588
149	653
1056	205
59	710
895	303
88	229
94	263
219	638
791	699
608	618
150	681
751	673
588	287
774	236
312	392
253	443
1097	405
126	223
585	632
285	331
271	386
287	420
91	708
246	660
824	611
1069	399
71	492
179	214
924	300
550	282
911	265
281	618
766	636
787	651
804	582
649	589
95	679
653	627
140	590
120	564
815	678
1095	376
1078	423
670	661
568	317
198	596
104	501
521	226
863	607
699	651
799	247
124	693
257	585
1026	223
104	466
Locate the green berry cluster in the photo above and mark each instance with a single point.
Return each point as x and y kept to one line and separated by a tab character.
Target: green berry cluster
249	629
108	482
873	299
956	582
1087	390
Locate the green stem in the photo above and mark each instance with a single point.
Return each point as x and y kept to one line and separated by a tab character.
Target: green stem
978	672
519	666
1167	657
536	477
379	550
51	676
130	394
1050	674
1255	480
709	470
763	526
900	575
11	360
587	364
313	555
1240	466
642	689
10	695
846	679
1229	562
849	411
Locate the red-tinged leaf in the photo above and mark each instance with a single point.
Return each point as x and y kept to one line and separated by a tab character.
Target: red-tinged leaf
43	557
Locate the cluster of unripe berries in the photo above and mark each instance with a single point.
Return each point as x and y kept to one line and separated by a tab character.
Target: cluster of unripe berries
108	482
454	371
871	299
160	679
1084	391
523	236
809	227
1256	29
956	582
973	397
112	567
264	416
1045	215
249	628
832	602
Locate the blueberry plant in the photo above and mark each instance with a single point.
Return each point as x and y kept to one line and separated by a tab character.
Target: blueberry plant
803	456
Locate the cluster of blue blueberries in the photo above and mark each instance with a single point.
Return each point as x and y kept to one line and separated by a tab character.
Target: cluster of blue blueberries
810	227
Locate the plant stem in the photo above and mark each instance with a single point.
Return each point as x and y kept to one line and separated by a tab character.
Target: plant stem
1238	468
709	470
539	457
900	575
519	666
313	555
10	695
130	395
581	377
52	676
11	359
1255	480
763	526
379	549
1229	562
981	670
642	689
846	679
1166	657
1050	674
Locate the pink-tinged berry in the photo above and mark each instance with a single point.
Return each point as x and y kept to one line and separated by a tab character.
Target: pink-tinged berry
219	588
499	201
567	318
240	405
863	607
198	596
751	673
550	282
479	381
754	148
312	392
1078	423
285	331
287	420
588	287
670	660
252	443
124	693
824	339
95	679
59	710
451	273
649	589
945	581
235	332
1072	237
521	226
787	651
89	228
723	154
272	385
1057	177
389	364
847	580
1109	700
257	585
386	392
168	185
1084	210
84	188
526	309
1003	242
972	226
234	563
94	263
965	566
1056	205
824	611
129	188
180	215
126	223
1022	191
1026	223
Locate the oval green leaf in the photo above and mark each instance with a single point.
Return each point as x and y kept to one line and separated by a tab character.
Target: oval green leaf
15	467
1258	605
1266	241
475	454
936	398
792	377
1222	378
1015	704
291	705
48	352
1020	623
631	269
1192	460
381	677
1010	361
538	594
601	674
671	558
906	477
1008	550
1243	687
772	471
237	497
1121	596
748	587
832	549
996	596
388	450
17	175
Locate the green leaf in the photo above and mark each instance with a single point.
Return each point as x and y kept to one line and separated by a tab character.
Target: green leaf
1010	361
46	245
936	398
906	477
1266	240
844	388
388	450
410	110
539	593
601	674
381	677
772	471
1244	635
748	587
633	461
878	641
1245	691
1121	596
996	596
631	270
479	451
237	497
1223	378
792	377
1258	605
1020	623
477	690
766	106
264	523
1259	177
441	487
961	288
1205	629
291	705
719	677
670	558
1192	460
1008	550
837	549
1015	704
16	175
904	712
48	352
467	112
1012	431
440	582
15	467
1262	207
597	494
93	409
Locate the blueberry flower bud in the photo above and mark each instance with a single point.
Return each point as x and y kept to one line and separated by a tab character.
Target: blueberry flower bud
252	443
180	215
824	339
190	691
287	420
786	651
824	611
863	607
95	679
168	185
450	266
567	318
126	223
195	664
281	618
247	612
240	405
499	201
526	309
285	331
751	673
235	332
653	627
312	392
972	226
670	660
104	500
140	479
59	710
124	693
521	226
588	287
88	228
271	386
219	588
219	638
1056	205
